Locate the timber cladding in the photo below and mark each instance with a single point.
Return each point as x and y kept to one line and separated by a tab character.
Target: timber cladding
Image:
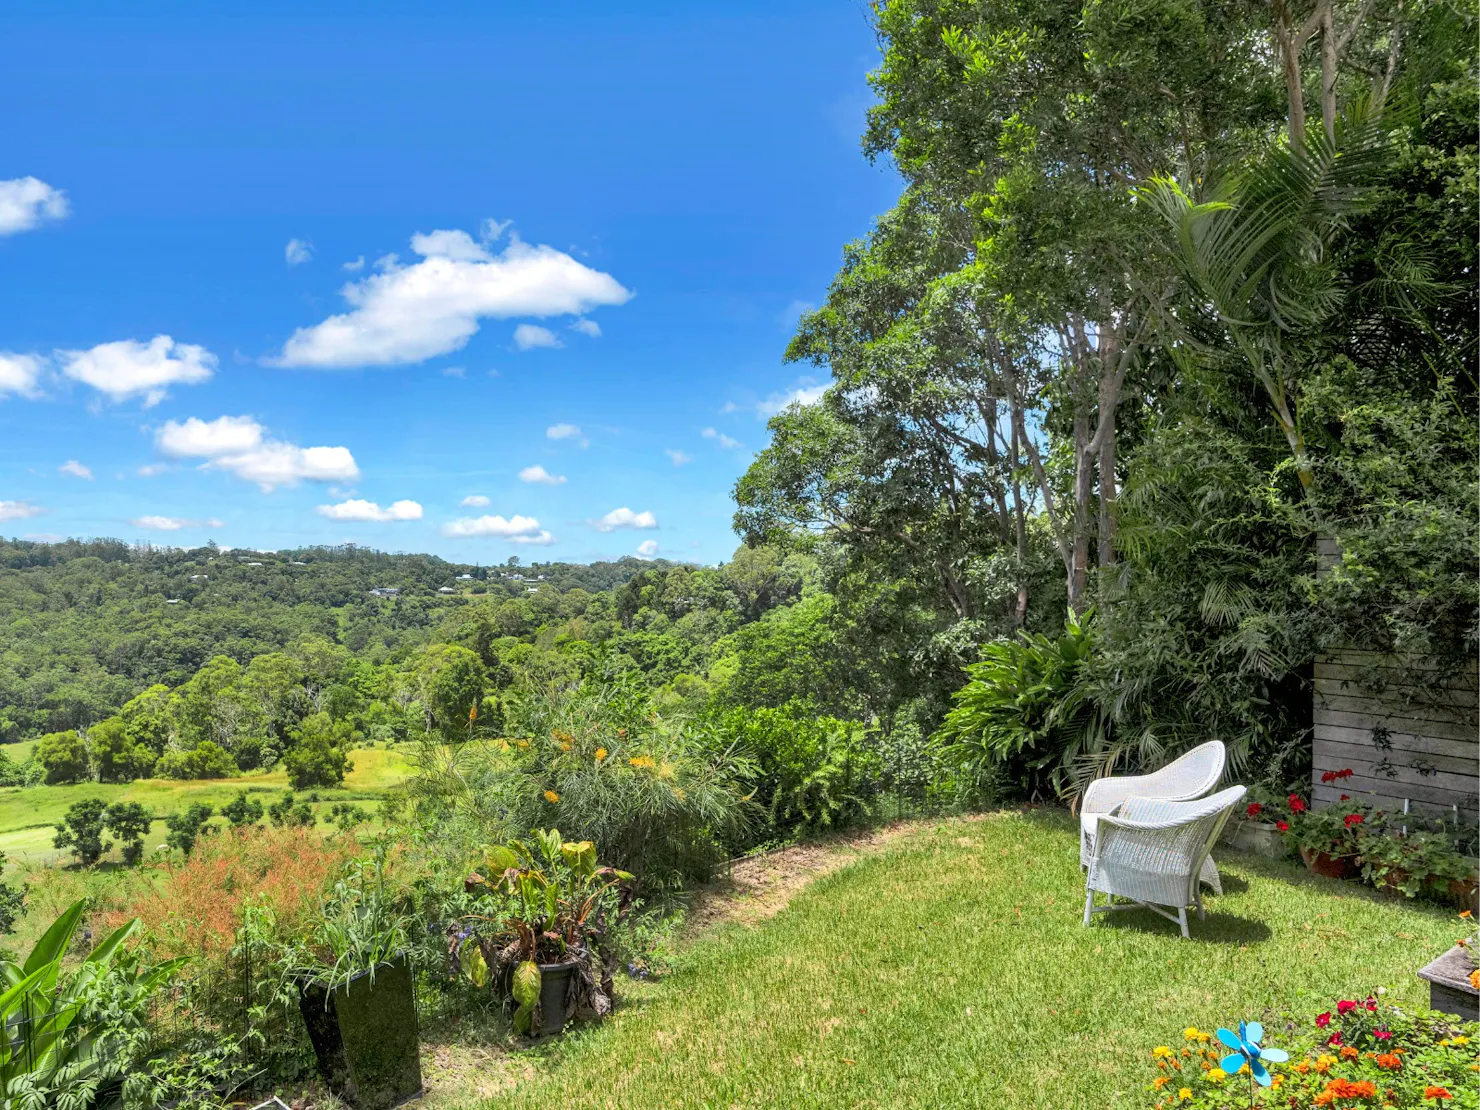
1407	731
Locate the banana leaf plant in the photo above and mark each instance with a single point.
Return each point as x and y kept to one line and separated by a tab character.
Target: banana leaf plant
549	903
44	1012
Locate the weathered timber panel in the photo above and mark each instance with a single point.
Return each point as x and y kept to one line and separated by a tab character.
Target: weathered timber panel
1405	737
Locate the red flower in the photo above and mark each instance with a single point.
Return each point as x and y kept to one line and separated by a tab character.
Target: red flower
1335	1038
1283	826
1345	1007
1328	776
1346	797
1382	1034
1323	1020
1254	810
1345	773
1371	1004
1296	805
1353	819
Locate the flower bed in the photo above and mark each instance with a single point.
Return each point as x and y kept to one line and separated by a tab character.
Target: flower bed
1359	1053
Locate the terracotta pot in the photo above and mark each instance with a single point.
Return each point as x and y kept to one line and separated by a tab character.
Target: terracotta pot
1333	867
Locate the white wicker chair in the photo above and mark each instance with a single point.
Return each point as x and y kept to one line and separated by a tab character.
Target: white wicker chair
1189	776
1152	851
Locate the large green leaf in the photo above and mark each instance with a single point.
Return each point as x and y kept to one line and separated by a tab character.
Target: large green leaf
53	942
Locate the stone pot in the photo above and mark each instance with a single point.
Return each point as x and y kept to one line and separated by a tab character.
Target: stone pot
1450	991
1258	838
1333	867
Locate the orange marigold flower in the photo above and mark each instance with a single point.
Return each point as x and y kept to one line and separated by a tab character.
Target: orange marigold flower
600	754
1348	1052
551	797
1475	978
1161	1081
1303	1067
1389	1060
1438	1094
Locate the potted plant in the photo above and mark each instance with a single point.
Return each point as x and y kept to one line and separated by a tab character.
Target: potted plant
1454	978
539	938
1328	838
357	994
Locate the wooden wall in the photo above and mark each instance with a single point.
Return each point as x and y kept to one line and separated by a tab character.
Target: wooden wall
1404	734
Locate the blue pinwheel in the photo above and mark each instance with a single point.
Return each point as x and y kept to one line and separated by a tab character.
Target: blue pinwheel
1246	1050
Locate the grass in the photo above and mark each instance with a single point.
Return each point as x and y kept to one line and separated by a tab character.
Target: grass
29	815
950	970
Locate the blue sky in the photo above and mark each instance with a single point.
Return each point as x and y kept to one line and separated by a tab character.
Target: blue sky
604	222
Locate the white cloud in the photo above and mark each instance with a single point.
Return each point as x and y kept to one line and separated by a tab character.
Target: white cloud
454	372
624	518
44	537
679	458
491	230
475	501
128	368
223	436
76	469
563	431
370	511
160	523
20	373
517	529
647	549
19	510
805	394
434	306
237	444
725	441
297	252
539	474
26	202
529	336
151	470
354	266
587	327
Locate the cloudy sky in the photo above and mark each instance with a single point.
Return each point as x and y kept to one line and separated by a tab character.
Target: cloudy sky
482	284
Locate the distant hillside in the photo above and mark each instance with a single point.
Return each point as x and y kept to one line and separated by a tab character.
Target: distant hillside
85	625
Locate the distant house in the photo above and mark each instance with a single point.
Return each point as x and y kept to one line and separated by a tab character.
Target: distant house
386	591
199	577
447	590
531	589
464	577
254	564
296	563
173	600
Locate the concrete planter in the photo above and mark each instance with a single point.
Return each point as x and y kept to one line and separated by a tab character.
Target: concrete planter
1450	992
1258	838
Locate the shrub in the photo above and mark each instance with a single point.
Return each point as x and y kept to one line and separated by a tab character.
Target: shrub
207	760
814	772
185	828
63	756
1025	712
1348	1055
242	810
12	902
130	822
287	812
318	758
82	831
661	797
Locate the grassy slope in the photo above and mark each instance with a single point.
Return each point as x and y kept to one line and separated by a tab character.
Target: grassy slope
28	816
951	970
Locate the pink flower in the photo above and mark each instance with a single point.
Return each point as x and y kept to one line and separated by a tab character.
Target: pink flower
1382	1034
1345	1007
1323	1020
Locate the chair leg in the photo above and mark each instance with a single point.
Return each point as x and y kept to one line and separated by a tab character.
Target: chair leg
1089	904
1202	914
1182	921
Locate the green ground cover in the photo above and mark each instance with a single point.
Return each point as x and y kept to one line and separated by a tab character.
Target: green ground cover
28	815
950	969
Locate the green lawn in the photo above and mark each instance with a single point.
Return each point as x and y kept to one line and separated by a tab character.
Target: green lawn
950	969
28	815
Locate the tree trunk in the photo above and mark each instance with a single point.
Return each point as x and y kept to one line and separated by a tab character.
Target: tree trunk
1328	73
1020	613
1108	399
1083	483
